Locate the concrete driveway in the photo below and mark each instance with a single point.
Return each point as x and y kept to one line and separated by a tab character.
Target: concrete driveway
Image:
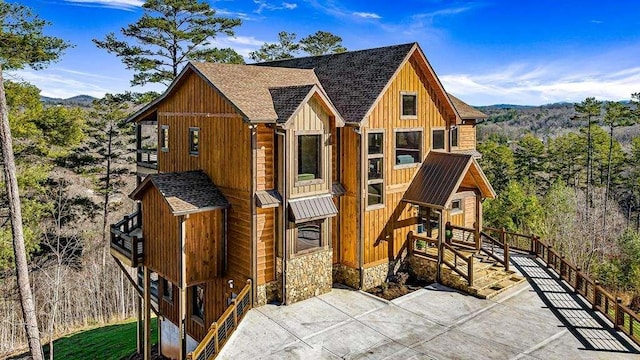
433	323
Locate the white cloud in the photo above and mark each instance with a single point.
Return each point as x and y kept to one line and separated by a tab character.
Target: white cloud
235	14
243	45
266	5
367	15
289	6
115	4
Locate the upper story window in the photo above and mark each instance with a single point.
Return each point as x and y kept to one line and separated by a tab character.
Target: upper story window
437	139
309	235
408	147
194	140
197	302
409	103
453	136
375	173
309	157
164	138
456	205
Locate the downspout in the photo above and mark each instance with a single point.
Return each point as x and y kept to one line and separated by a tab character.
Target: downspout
283	227
440	246
254	222
360	204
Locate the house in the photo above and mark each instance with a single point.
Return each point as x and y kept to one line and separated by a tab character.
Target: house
293	174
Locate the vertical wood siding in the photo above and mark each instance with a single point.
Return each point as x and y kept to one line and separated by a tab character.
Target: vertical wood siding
466	137
266	219
204	241
160	231
348	216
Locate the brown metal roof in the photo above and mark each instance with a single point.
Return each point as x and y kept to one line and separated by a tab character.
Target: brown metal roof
465	110
185	192
473	152
312	208
440	177
268	198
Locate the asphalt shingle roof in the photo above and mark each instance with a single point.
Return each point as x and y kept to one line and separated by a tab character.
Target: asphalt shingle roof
352	80
185	192
465	110
287	99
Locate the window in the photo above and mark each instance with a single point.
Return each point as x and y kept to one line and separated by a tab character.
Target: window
408	147
437	139
309	236
197	305
194	140
453	135
309	149
167	290
164	138
428	222
375	174
456	205
409	105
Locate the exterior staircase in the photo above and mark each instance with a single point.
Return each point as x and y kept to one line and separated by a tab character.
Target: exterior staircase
491	278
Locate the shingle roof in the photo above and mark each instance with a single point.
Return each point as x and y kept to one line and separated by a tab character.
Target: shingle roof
287	99
352	80
248	87
185	192
312	208
465	110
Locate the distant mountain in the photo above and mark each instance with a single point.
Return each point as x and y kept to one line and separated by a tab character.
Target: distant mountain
79	100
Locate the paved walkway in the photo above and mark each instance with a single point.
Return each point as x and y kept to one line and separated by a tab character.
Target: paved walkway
540	319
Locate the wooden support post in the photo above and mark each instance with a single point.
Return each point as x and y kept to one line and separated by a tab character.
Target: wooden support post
619	315
478	222
595	295
139	325
506	256
578	280
470	270
562	267
410	242
533	244
147	314
183	288
549	249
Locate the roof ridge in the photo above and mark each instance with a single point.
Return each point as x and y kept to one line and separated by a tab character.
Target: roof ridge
335	54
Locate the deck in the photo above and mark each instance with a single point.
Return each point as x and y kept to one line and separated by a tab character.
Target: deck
126	240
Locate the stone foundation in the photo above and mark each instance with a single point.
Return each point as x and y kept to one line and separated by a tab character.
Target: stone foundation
267	293
309	275
346	275
425	269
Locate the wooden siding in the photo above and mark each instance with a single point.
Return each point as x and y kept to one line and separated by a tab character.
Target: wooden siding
266	218
469	207
466	137
215	302
385	228
312	117
348	216
169	309
204	245
160	231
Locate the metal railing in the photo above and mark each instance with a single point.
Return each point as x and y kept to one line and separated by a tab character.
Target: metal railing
499	250
448	255
464	236
147	158
221	330
423	245
129	246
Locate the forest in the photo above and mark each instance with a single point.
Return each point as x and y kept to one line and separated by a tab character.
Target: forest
575	182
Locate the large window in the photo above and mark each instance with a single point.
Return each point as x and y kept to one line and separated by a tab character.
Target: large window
194	140
309	157
309	236
409	105
164	138
197	302
408	147
437	139
453	135
375	173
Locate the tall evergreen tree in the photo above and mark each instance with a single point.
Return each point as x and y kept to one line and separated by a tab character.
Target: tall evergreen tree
322	43
285	48
22	43
170	33
529	160
590	109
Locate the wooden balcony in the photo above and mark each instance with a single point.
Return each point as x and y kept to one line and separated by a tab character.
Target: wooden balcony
126	240
147	161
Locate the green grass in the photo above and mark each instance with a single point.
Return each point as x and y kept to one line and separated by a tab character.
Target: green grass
109	342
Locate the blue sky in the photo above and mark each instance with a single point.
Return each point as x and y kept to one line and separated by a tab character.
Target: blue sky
485	52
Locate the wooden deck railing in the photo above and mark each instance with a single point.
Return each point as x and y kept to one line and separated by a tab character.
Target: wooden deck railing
457	261
496	249
464	236
127	245
221	330
623	318
423	245
147	158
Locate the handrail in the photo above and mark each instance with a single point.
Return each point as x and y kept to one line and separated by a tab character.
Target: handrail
504	245
429	242
130	246
466	259
623	318
220	331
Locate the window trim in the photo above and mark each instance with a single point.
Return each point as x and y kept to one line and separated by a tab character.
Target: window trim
376	181
164	145
395	147
194	294
455	128
321	175
459	210
410	93
193	130
444	141
166	284
322	245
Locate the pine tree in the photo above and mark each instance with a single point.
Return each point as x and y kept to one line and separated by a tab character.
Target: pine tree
322	43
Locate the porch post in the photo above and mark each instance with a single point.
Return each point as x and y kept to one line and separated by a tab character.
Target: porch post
478	227
147	314
139	322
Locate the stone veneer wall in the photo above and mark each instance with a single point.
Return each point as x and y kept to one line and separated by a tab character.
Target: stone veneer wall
425	269
346	275
309	275
267	293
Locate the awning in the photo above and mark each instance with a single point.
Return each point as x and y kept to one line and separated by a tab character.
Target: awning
268	199
312	208
185	192
442	175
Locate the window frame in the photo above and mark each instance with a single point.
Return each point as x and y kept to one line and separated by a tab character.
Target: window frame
444	139
380	181
395	147
199	318
455	129
164	138
192	131
166	284
296	155
415	96
459	209
321	225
